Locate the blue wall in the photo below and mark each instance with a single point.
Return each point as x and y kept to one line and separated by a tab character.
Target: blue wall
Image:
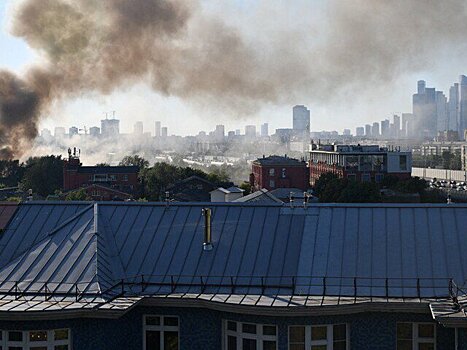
201	329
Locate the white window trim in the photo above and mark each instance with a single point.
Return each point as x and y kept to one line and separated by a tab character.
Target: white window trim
259	336
416	340
329	342
161	328
50	343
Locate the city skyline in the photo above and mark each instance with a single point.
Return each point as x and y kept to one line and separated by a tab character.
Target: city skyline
138	102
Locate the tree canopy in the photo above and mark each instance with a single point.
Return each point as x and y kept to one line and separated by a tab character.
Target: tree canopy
44	175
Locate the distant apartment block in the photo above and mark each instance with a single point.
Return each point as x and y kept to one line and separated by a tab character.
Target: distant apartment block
359	163
110	127
301	119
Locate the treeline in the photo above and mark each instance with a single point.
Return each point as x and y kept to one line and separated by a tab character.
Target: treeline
44	176
447	160
331	189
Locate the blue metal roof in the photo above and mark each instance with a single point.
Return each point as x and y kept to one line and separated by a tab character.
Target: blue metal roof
342	250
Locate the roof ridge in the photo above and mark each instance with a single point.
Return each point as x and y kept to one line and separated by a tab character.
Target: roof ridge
70	219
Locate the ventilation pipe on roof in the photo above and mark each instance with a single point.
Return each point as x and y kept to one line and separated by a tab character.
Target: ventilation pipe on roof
207	244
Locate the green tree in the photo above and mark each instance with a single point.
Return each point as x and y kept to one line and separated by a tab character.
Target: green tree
11	172
158	178
323	180
412	185
134	160
360	192
79	195
44	175
246	186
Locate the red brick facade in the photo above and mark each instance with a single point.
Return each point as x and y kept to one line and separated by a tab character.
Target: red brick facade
279	172
120	178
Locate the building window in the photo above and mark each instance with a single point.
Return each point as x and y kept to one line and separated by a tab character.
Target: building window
272	172
249	336
366	178
403	162
416	336
113	177
161	332
125	177
283	173
272	184
100	178
324	337
57	339
379	178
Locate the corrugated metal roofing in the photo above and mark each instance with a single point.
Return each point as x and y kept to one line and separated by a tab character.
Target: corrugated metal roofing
392	251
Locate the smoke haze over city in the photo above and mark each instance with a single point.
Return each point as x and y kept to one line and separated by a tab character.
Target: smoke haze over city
201	63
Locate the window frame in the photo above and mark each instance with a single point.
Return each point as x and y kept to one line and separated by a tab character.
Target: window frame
329	342
26	344
416	340
260	337
161	328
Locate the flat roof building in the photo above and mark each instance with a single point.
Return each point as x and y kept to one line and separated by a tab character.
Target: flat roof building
358	162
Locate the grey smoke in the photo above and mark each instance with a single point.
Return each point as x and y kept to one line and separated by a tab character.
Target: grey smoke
98	46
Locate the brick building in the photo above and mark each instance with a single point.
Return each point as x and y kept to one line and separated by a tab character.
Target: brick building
278	172
120	178
360	163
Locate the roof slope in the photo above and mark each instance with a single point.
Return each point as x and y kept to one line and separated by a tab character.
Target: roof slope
7	209
383	250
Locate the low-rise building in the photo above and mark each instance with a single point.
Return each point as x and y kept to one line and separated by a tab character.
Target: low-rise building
278	172
120	178
359	162
230	194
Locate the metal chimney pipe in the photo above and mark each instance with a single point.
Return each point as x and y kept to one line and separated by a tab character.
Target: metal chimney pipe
207	244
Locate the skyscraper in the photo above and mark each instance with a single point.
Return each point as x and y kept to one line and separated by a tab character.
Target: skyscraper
165	132
407	125
397	126
264	130
375	130
453	107
250	131
367	130
301	119
441	111
360	131
110	127
385	128
73	131
219	133
462	109
425	110
158	129
138	128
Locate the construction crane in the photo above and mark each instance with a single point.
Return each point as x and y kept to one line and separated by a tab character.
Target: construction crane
85	129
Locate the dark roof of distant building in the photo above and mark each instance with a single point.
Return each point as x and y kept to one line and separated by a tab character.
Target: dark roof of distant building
100	187
86	254
262	195
279	160
191	179
108	169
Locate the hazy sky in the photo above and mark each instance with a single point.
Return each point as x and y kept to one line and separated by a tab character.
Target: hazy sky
302	23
